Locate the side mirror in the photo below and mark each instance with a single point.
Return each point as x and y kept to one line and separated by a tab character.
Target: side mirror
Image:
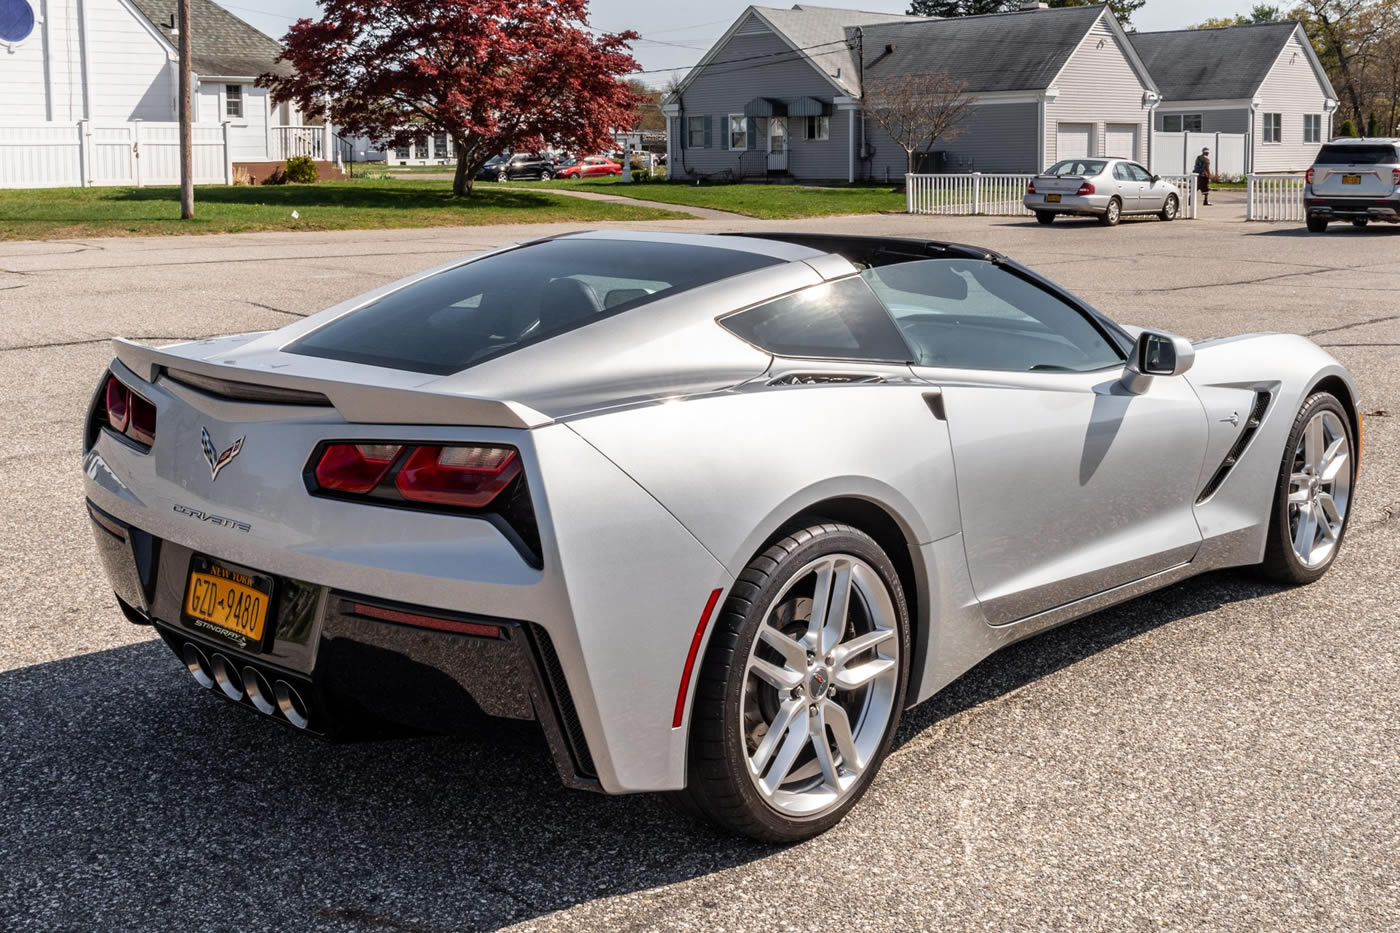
1158	355
1156	178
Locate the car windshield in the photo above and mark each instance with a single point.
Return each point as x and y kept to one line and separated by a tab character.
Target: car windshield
485	309
1076	167
1357	155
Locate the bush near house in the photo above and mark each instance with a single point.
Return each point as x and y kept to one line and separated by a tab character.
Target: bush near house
301	170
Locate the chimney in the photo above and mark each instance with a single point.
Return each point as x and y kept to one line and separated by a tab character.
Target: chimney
1030	6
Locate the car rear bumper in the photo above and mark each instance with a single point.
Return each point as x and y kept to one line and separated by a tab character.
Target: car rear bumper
1068	204
1354	208
352	661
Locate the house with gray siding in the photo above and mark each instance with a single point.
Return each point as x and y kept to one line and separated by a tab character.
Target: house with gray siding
781	92
1263	82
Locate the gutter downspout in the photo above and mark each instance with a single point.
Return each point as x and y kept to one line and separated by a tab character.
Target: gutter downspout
1254	106
83	58
1153	102
48	62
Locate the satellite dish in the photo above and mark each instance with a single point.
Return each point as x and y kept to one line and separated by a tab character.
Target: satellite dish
16	21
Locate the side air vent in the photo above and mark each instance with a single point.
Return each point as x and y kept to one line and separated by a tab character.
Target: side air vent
562	702
1251	427
818	379
234	391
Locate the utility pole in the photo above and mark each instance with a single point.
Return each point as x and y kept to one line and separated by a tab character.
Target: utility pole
186	118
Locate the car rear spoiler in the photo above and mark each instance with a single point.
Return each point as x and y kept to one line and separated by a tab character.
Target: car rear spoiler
356	402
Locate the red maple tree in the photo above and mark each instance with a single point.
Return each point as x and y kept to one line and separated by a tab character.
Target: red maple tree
493	75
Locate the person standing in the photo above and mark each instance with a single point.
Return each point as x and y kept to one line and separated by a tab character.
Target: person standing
1202	173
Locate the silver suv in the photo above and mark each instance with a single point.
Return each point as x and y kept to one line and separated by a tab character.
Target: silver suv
1356	180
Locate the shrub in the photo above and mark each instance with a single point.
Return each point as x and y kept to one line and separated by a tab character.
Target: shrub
1348	129
241	176
301	170
278	177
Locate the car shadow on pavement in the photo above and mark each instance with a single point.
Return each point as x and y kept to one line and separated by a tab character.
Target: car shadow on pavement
135	800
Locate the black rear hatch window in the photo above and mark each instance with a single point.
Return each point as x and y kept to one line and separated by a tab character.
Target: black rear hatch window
1356	155
485	309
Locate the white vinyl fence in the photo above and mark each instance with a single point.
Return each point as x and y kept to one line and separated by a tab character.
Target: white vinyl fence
1175	153
1276	198
89	154
998	195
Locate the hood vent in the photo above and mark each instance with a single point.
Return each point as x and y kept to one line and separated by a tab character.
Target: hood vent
819	379
1251	427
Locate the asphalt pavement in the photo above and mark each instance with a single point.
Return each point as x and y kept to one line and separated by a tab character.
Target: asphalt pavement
1221	755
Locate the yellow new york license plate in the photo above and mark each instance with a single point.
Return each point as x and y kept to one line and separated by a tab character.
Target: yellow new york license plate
227	602
1351	179
1052	198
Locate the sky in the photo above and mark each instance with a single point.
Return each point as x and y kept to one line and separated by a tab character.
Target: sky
675	35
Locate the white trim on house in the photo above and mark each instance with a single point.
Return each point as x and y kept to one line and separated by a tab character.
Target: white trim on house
1130	53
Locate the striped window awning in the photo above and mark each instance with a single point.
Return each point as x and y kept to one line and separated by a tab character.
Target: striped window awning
765	107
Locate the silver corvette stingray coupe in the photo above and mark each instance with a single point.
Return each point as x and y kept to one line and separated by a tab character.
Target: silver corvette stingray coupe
713	510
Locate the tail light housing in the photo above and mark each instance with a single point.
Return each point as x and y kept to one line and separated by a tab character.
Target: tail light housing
1030	186
122	411
486	480
1085	189
1395	177
1308	177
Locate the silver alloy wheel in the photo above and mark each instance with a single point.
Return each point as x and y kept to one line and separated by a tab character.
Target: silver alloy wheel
1319	489
819	685
1113	211
1171	207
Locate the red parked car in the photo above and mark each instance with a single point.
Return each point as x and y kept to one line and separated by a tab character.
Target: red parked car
591	167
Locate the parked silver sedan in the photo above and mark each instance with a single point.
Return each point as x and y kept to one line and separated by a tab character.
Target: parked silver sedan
1104	188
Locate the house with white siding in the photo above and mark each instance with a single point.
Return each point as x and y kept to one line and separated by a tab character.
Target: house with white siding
1263	82
94	76
781	93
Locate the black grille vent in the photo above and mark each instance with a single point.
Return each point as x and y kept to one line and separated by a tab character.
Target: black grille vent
817	379
562	701
1251	427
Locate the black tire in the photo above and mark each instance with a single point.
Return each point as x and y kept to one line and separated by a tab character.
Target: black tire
1317	225
1045	217
718	786
546	175
1170	208
502	177
1281	563
1113	214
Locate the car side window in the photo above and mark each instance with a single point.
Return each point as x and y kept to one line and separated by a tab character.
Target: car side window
972	314
1139	173
841	320
1120	172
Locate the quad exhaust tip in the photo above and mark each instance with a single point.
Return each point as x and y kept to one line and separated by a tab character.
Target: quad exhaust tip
292	705
198	665
226	676
259	691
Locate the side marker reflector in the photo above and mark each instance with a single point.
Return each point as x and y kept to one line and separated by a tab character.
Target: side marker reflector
418	620
690	659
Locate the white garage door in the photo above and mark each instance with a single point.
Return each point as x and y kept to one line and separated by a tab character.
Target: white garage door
1074	141
1120	141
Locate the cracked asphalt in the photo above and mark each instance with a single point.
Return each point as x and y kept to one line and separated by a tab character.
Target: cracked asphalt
1221	755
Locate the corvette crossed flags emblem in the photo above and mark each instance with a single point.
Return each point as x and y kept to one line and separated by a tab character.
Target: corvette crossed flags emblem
217	461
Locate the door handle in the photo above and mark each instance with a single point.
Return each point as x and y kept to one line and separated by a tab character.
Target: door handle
934	401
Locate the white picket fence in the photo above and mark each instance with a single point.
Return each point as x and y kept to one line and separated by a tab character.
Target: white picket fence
1276	198
999	195
99	154
1175	153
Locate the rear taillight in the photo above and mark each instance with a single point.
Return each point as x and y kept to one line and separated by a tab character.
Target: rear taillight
468	477
1395	177
356	468
1085	188
464	477
1308	177
127	413
1030	187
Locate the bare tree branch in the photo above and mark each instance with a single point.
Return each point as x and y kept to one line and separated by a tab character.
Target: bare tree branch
918	110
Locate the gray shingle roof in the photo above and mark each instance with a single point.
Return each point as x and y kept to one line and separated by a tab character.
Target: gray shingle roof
1212	64
997	52
823	32
222	44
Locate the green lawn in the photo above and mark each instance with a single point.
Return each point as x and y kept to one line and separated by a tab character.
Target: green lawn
54	213
770	202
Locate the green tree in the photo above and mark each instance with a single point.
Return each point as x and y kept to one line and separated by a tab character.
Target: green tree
1348	129
1123	9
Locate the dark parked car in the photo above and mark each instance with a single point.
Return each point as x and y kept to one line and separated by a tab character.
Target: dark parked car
519	165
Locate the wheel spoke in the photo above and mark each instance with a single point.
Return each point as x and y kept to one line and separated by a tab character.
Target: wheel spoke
821	745
1307	531
829	606
861	644
1334	468
1313	445
858	675
787	713
1331	515
776	676
834	718
793	653
792	746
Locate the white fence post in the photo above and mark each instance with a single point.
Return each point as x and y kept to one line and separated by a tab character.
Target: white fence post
976	192
228	157
136	150
84	153
1249	208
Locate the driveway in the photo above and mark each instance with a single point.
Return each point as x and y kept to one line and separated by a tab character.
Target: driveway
1218	756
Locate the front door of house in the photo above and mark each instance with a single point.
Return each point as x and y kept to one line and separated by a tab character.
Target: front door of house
777	144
